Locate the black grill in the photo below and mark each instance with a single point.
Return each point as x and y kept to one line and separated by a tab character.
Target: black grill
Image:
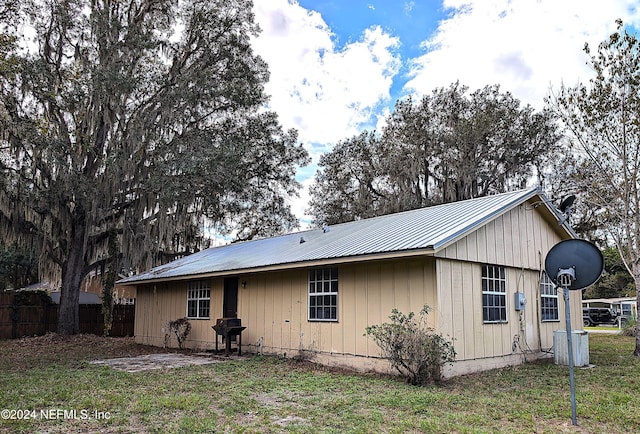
231	330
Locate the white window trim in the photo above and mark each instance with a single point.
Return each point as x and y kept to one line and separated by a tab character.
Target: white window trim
311	295
501	293
545	282
198	291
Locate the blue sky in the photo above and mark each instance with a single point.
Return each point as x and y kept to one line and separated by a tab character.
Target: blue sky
338	66
411	22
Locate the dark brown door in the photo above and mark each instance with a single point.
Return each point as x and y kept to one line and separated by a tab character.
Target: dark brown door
230	301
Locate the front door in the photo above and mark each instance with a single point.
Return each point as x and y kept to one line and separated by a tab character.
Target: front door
230	301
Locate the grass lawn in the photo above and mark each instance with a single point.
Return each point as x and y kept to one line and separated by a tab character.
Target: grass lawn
607	328
267	394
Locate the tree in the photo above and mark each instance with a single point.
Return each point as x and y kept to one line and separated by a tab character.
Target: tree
144	118
450	145
345	190
18	267
616	280
602	121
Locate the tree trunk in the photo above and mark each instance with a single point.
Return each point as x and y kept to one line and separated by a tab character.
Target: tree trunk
636	352
69	313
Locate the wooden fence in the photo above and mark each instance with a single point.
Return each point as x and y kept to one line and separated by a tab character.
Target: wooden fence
32	314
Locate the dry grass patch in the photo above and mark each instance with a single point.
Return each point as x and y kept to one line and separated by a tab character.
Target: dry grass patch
270	394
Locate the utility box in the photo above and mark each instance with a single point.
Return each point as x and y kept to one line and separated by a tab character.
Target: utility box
579	343
519	301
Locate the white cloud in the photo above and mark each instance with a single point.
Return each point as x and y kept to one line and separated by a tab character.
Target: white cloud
526	46
325	93
329	93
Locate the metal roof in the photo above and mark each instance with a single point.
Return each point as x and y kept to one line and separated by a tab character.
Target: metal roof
425	230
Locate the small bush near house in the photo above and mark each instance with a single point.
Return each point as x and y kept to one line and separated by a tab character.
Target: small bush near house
629	327
413	348
181	328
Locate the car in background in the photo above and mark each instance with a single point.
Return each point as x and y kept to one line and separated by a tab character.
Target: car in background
594	316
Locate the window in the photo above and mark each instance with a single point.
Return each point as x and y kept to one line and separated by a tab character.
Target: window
323	294
548	299
127	301
198	299
494	294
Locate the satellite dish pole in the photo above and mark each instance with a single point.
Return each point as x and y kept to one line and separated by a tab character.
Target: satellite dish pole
565	278
573	265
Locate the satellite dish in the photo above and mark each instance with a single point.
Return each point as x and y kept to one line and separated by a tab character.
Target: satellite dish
566	203
578	260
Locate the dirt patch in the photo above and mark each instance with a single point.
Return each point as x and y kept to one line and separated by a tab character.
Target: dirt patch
52	348
150	362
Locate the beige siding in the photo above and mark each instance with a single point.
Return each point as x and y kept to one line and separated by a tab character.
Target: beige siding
274	305
519	238
460	313
157	304
367	294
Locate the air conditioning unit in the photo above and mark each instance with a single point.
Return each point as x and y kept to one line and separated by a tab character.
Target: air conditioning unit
579	343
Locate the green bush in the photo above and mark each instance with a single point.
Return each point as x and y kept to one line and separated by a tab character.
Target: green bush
413	348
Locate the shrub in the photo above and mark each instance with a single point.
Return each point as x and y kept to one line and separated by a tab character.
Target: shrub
629	327
181	328
413	348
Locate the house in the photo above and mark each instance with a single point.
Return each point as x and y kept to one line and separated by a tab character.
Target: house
54	293
312	293
626	307
93	283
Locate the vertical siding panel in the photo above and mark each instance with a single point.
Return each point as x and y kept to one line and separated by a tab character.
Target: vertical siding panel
457	302
324	334
443	277
430	297
490	241
349	301
416	286
298	309
401	287
472	246
374	305
287	300
467	308
499	240
451	252
271	283
278	320
261	298
360	308
531	238
387	289
141	332
479	328
249	311
532	309
515	237
462	253
507	243
481	244
538	229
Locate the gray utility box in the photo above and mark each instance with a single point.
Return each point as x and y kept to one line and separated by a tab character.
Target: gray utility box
579	343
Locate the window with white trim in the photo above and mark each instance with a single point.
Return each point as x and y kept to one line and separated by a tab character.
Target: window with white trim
494	294
548	299
323	294
198	299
